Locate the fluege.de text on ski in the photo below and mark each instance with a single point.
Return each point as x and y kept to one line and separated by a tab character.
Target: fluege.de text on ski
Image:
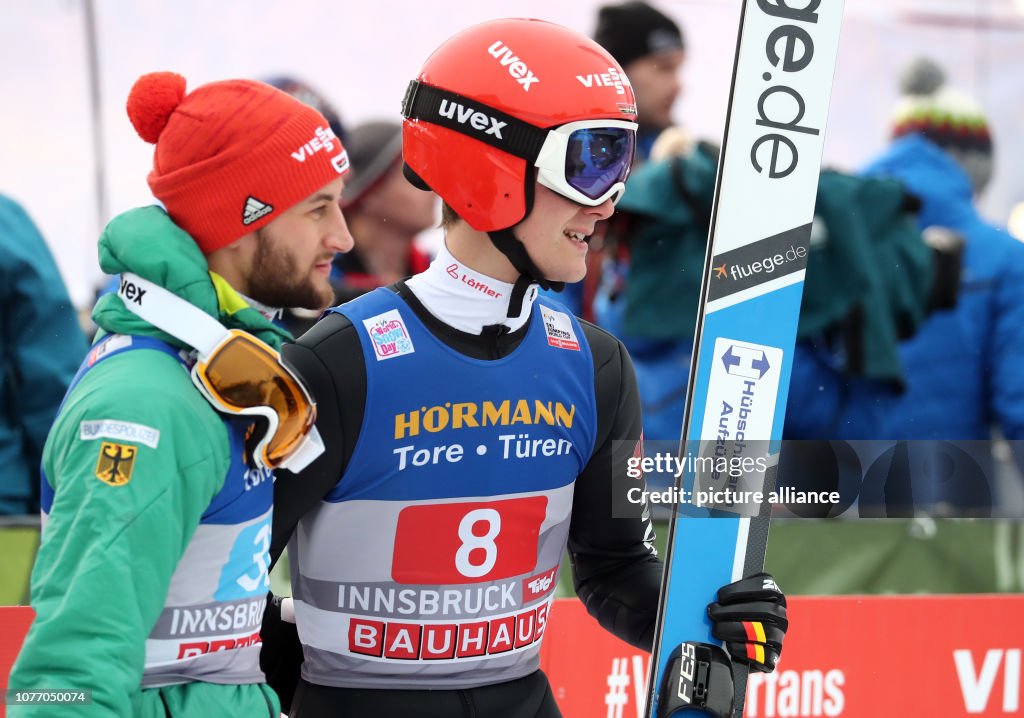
774	111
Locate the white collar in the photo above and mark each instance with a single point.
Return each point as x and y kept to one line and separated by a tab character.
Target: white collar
269	313
465	299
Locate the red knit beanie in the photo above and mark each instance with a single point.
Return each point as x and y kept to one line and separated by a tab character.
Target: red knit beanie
231	156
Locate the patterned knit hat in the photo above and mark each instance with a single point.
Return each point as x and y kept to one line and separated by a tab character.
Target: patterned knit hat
951	119
231	156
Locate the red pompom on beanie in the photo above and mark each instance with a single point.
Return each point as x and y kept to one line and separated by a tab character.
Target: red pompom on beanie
231	156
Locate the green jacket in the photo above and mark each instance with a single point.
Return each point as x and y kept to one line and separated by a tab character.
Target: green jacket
869	273
108	551
41	344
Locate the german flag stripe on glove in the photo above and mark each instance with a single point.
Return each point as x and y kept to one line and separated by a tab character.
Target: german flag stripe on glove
759	657
749	632
755	631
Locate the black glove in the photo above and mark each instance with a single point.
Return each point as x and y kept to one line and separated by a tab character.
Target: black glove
947	255
281	655
750	618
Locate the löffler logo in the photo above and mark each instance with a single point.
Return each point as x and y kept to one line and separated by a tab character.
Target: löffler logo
472	282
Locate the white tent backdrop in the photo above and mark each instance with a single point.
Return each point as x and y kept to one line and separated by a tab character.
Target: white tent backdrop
360	54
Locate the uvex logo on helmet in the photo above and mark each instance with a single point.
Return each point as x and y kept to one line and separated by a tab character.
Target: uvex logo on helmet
476	119
516	67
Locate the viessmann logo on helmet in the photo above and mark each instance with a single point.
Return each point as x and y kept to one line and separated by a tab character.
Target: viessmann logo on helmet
516	67
612	78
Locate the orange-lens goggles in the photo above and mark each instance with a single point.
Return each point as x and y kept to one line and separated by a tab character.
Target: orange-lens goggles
243	375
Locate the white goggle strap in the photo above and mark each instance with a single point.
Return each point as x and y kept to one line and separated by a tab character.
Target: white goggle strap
187	323
312	446
167	311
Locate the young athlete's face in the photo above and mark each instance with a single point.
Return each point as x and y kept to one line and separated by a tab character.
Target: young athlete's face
292	262
554	234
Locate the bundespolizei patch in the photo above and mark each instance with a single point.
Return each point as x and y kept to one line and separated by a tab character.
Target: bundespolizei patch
122	430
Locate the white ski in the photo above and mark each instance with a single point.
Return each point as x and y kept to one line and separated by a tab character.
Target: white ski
750	306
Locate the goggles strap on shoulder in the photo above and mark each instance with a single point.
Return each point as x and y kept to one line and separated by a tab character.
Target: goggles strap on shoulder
312	447
170	313
192	326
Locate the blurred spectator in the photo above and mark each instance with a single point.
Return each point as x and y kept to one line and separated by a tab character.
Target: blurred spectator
649	45
650	48
385	213
870	281
968	360
306	94
42	346
962	368
948	118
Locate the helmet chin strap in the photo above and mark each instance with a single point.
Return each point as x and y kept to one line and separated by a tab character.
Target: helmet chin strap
508	244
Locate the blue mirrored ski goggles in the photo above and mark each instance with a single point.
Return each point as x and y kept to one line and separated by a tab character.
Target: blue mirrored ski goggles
585	161
588	161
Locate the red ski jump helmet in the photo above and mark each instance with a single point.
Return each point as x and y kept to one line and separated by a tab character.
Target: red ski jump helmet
510	101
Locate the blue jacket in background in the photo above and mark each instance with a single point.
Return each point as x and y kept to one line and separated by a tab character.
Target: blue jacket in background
41	345
964	368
